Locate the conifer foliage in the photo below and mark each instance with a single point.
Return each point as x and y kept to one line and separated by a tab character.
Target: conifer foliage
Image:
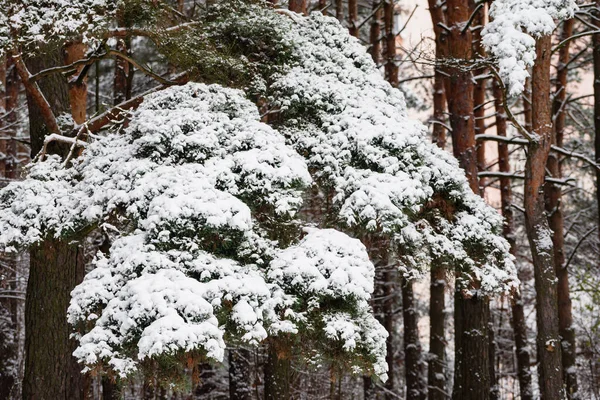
225	229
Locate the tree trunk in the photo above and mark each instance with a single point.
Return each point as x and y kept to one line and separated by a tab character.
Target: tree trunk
109	389
538	229
277	375
8	317
123	69
596	42
240	385
553	194
353	17
339	10
391	69
51	372
375	33
77	87
471	368
437	371
518	315
299	6
56	267
471	372
415	381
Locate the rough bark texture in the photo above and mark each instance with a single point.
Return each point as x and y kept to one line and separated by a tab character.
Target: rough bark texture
240	386
471	315
51	372
277	375
77	87
416	388
299	6
375	33
353	17
538	229
479	95
522	349
437	371
596	42
123	69
471	369
8	318
553	194
391	69
109	389
384	300
56	267
339	10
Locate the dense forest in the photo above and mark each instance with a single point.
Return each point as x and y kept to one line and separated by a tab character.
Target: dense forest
252	199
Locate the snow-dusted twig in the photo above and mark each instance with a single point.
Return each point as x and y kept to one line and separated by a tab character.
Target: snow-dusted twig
55	137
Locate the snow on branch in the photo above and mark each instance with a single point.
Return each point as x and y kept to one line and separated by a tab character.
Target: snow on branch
511	34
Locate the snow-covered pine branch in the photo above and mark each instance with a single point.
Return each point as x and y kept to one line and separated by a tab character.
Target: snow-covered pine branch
510	35
208	201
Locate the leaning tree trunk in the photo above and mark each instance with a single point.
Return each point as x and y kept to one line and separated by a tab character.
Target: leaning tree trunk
538	229
518	314
553	195
56	267
471	313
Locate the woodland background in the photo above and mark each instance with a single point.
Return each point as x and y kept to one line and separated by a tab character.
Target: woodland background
451	84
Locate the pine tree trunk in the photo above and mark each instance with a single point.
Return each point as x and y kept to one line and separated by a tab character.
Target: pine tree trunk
538	229
375	33
353	17
299	6
77	87
471	368
391	69
277	375
51	372
240	385
471	373
596	42
8	318
437	371
339	10
553	195
415	375
518	315
123	69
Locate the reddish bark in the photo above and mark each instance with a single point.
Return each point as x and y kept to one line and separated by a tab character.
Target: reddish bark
77	87
299	6
353	17
538	229
519	324
391	69
375	33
